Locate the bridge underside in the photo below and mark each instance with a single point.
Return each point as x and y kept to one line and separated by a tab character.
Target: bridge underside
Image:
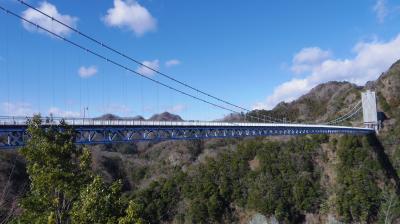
12	137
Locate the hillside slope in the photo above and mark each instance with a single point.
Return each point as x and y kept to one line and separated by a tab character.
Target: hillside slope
312	179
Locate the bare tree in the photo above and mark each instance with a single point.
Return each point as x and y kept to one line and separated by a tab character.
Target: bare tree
5	205
390	207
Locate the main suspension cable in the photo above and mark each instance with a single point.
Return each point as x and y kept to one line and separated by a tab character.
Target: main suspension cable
345	116
115	63
106	46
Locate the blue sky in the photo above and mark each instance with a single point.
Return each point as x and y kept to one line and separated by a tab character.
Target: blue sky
254	53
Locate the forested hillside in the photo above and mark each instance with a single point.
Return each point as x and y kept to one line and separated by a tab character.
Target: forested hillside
308	179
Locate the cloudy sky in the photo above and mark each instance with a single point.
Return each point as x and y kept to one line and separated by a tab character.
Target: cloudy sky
252	53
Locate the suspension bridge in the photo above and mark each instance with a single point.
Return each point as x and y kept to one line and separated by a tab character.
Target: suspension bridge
13	129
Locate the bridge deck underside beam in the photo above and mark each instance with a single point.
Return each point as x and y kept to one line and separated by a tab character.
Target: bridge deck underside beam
17	136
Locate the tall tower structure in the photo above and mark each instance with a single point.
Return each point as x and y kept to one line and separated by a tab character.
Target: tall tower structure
370	113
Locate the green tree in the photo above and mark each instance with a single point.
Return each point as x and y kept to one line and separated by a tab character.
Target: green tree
62	186
390	208
158	203
358	195
57	171
132	215
101	203
98	203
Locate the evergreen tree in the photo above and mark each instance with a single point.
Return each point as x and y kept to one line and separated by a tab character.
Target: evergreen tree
62	186
358	195
57	171
98	203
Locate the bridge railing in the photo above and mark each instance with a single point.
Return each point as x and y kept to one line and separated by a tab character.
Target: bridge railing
21	121
18	120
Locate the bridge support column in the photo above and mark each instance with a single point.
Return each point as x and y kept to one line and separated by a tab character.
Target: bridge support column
370	114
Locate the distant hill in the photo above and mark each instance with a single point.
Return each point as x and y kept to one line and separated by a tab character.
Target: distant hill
327	100
138	118
233	118
388	88
166	116
108	117
322	103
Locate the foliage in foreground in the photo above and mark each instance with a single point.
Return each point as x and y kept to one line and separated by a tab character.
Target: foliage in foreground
62	187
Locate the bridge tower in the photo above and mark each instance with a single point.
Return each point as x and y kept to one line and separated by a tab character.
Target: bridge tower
370	113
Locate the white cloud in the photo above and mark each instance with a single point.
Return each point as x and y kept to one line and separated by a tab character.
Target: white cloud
155	64
370	60
380	10
307	58
46	22
86	72
176	109
130	14
57	112
172	62
26	110
17	109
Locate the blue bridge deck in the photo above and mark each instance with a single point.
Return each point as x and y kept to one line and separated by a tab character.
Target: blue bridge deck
13	132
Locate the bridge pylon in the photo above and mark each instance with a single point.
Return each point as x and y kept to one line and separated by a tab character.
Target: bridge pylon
370	113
